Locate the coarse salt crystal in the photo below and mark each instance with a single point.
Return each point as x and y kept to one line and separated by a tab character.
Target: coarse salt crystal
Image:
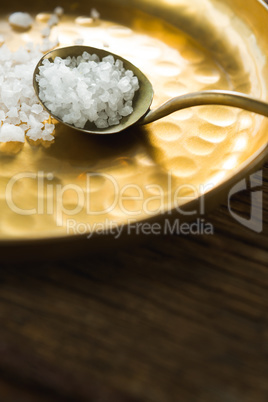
59	11
49	128
37	109
79	41
10	132
23	117
2	115
20	110
54	20
35	133
94	14
13	112
48	44
46	32
21	20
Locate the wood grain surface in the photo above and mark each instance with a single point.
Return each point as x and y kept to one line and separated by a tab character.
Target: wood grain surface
173	319
176	318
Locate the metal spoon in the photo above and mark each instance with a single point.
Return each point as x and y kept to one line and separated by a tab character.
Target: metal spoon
144	96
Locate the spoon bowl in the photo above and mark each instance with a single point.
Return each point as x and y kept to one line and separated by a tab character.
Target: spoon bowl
143	97
141	102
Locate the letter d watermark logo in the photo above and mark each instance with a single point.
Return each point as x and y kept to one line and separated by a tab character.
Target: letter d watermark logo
255	222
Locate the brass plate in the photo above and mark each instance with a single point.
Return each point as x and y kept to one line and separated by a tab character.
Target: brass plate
47	191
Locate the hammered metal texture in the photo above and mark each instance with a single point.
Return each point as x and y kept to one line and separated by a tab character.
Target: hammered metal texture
189	150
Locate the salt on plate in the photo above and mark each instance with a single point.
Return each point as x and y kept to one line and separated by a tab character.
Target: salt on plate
20	111
20	20
79	41
58	11
46	32
2	116
53	20
82	89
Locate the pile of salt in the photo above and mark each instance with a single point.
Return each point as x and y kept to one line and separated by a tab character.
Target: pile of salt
20	111
86	88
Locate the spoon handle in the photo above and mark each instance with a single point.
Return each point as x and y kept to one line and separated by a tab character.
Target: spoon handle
215	97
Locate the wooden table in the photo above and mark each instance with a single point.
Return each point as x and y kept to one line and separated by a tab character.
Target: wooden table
177	318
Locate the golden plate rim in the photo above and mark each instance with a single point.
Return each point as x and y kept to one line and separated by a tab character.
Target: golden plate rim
216	194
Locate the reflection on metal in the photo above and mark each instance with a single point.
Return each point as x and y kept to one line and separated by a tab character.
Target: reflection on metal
144	171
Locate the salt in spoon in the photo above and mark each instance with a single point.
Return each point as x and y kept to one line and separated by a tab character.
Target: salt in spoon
142	114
